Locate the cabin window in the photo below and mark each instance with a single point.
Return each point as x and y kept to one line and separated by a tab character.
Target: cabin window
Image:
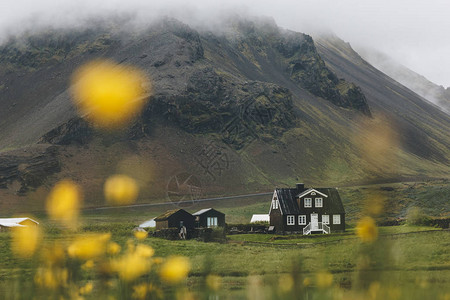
275	204
308	202
336	219
325	219
211	222
319	202
302	220
291	220
313	193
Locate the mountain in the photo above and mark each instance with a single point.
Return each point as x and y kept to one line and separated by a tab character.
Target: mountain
436	94
236	110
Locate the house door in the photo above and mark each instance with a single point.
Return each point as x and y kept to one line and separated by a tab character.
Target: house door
314	222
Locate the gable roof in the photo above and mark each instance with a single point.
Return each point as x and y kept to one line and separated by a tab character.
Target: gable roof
15	222
169	213
310	191
260	218
149	223
287	198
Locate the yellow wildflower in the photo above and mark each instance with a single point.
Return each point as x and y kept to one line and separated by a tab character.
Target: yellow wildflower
286	283
87	289
51	278
324	279
374	289
140	291
109	95
131	266
175	269
88	265
213	282
121	189
113	248
367	230
144	250
141	235
63	202
306	282
88	247
25	240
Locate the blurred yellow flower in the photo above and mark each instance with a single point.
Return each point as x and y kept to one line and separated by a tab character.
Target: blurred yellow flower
214	282
141	235
87	289
113	248
25	240
130	266
324	279
64	201
374	289
367	230
306	282
175	269
109	95
51	278
88	265
144	250
285	283
121	190
88	247
140	291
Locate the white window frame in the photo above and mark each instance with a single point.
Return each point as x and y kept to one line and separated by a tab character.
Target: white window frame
309	200
336	219
275	204
316	202
326	219
313	193
211	222
290	220
302	218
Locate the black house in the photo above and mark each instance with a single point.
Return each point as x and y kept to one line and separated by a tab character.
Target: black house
175	219
307	210
209	217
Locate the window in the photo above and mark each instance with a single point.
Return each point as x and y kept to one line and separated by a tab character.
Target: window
302	220
275	204
336	219
319	202
325	219
211	222
291	220
313	193
308	202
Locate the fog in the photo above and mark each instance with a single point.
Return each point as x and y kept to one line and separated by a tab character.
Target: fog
414	33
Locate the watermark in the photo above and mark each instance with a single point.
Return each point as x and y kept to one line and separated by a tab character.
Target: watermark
213	160
183	189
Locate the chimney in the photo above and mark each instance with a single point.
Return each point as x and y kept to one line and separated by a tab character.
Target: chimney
300	187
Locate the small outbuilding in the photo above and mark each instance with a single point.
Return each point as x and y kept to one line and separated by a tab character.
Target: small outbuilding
209	217
148	224
6	223
260	218
176	218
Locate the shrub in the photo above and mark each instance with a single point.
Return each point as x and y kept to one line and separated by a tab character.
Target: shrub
416	216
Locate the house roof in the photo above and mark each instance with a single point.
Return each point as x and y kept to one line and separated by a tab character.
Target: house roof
287	197
202	211
260	218
149	223
14	222
168	214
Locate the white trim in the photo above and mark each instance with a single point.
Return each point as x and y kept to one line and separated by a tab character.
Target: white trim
304	220
309	191
290	220
336	219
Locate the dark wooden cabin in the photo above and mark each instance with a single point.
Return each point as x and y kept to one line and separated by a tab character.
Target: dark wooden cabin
175	219
307	210
209	218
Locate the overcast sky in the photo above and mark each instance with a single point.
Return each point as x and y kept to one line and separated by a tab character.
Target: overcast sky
415	33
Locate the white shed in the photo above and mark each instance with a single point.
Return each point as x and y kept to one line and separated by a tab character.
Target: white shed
148	224
17	222
260	218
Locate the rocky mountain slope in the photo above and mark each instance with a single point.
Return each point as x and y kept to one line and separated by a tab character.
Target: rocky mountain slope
241	110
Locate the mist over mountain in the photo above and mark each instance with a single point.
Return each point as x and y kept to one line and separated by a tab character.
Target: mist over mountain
243	109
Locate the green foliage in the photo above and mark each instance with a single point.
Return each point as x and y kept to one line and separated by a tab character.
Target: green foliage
416	216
